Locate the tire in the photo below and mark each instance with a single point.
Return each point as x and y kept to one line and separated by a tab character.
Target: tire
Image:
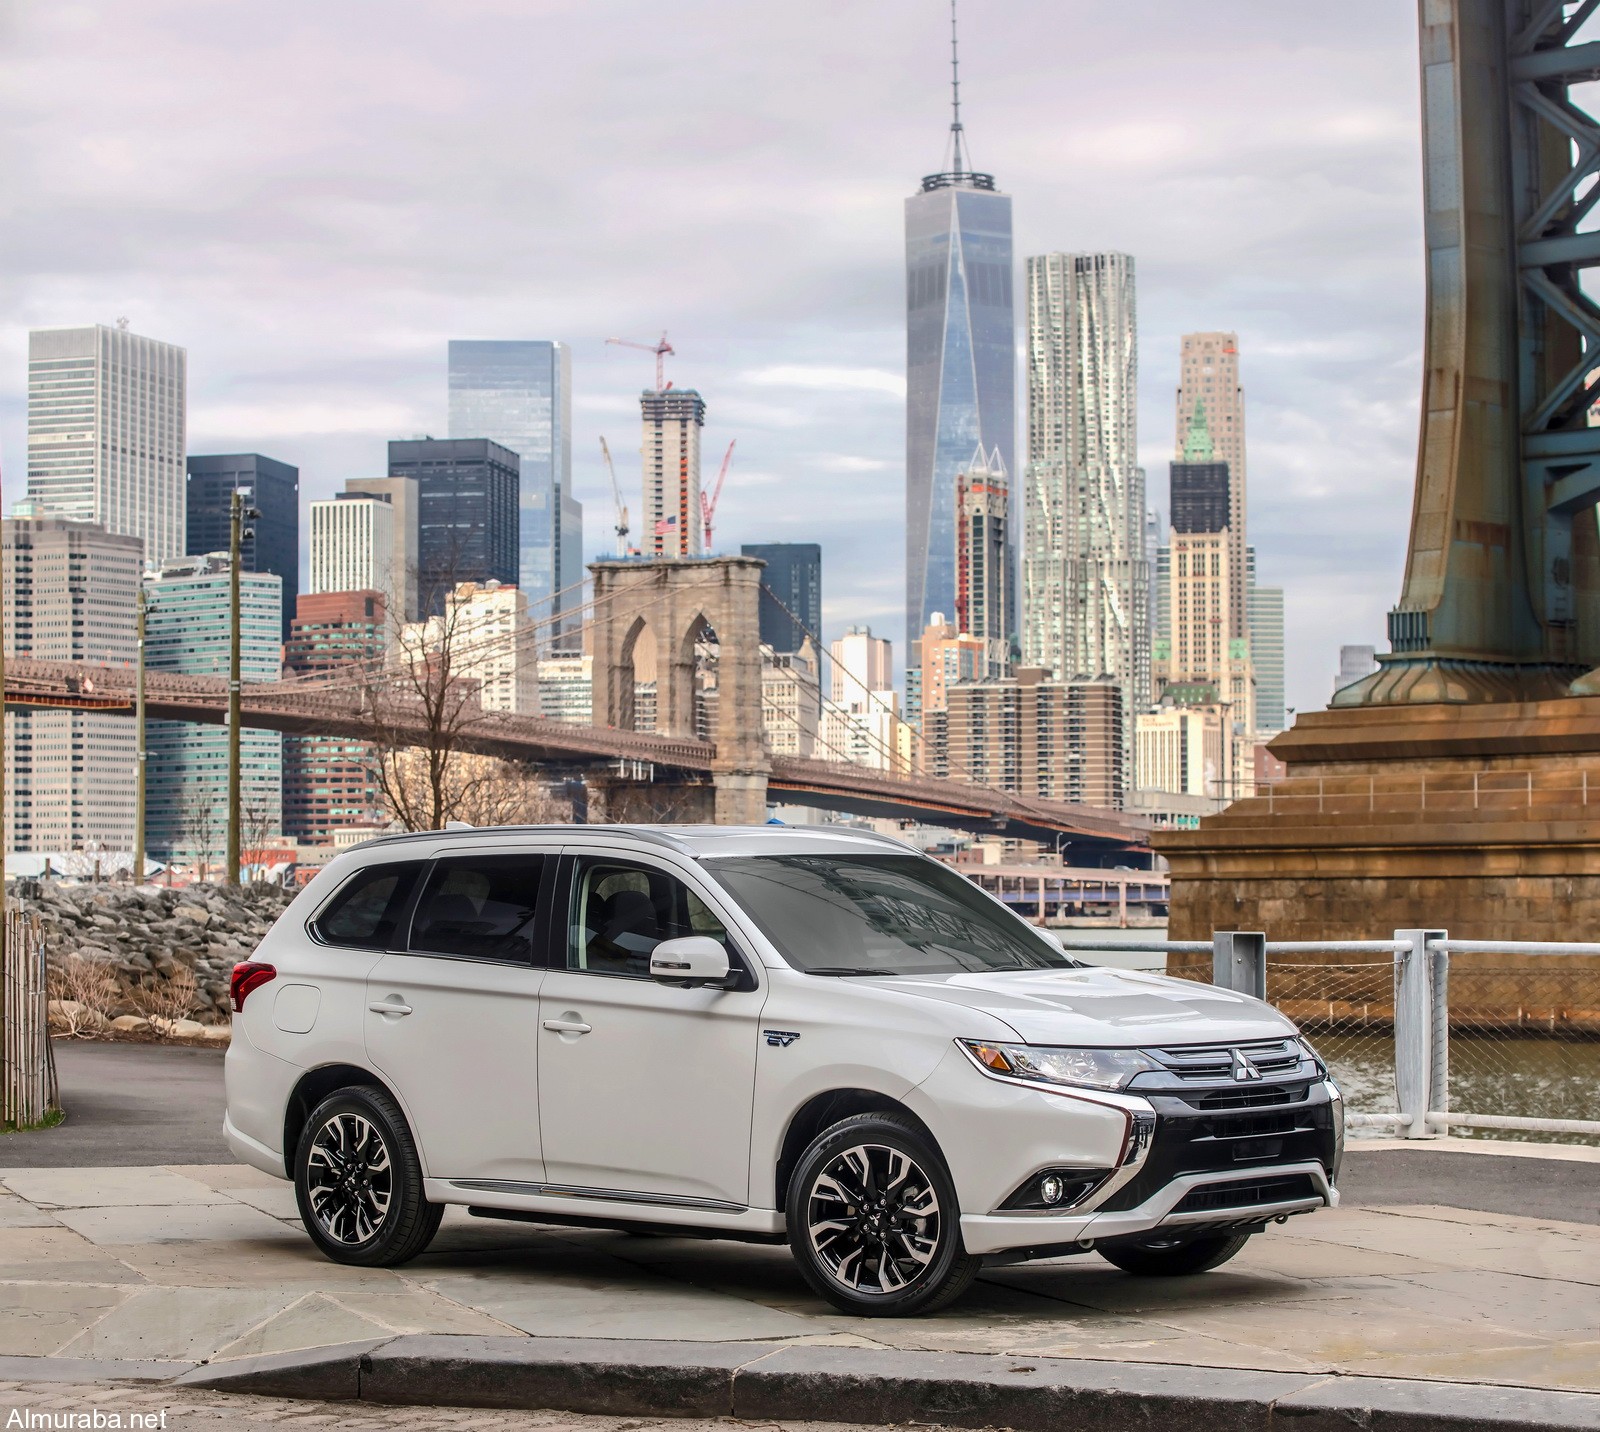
1172	1257
358	1181
872	1193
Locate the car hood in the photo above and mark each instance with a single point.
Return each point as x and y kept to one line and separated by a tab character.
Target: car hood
1102	1007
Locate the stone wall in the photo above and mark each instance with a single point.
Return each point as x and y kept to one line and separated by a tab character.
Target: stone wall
144	935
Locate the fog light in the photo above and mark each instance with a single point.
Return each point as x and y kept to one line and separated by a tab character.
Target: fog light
1051	1188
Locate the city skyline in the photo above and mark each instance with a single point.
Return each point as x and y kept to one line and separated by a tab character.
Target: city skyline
802	367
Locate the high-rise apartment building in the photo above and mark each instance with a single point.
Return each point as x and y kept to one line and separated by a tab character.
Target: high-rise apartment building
1182	751
948	656
353	546
329	782
467	517
1355	662
518	393
859	663
566	688
486	635
107	433
983	558
1085	576
188	605
791	700
270	542
791	592
1032	736
961	363
1208	384
70	590
673	418
401	493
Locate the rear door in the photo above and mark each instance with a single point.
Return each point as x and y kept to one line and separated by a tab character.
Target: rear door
451	1017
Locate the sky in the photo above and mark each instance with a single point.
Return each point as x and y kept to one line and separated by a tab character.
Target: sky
314	196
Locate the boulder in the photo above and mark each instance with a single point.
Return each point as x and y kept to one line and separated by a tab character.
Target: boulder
131	1023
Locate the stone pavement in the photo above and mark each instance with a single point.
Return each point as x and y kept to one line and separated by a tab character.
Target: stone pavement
191	1263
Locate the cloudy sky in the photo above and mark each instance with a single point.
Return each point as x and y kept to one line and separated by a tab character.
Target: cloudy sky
312	196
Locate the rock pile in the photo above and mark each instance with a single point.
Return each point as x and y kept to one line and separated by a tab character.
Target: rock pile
144	937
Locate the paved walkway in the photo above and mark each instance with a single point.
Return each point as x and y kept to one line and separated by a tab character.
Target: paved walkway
192	1262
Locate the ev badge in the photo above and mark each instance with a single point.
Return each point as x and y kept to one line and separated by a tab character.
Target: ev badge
1243	1069
780	1038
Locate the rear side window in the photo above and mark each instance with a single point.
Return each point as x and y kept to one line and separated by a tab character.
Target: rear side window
483	907
367	909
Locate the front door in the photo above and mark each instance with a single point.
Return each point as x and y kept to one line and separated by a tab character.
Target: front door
643	1088
451	1019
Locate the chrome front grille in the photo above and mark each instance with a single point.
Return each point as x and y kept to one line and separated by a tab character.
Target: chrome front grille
1273	1058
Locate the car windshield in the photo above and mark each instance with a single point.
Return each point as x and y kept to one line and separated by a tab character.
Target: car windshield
880	915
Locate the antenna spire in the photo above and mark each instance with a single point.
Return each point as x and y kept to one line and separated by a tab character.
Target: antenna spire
955	95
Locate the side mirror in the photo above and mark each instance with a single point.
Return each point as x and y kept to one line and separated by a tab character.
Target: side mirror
690	960
1054	938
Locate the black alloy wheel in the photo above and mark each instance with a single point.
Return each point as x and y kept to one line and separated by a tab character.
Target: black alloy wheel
873	1221
358	1181
1172	1256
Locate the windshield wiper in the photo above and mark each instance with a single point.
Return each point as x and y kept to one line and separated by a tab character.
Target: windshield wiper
843	970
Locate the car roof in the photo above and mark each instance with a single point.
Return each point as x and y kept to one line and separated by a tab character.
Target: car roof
692	840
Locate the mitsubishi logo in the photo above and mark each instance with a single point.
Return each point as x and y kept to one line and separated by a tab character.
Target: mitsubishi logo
1243	1070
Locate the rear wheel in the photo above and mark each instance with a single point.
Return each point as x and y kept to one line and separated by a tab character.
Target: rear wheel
873	1220
358	1181
1172	1257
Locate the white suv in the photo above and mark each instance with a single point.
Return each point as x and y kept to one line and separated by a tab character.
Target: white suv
767	1034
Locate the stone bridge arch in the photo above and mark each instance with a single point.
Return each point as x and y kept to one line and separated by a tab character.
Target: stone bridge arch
667	602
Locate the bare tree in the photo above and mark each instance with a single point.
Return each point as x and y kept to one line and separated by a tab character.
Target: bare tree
198	815
425	707
256	828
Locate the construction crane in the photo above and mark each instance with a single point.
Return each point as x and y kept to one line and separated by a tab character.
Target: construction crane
708	505
660	349
621	528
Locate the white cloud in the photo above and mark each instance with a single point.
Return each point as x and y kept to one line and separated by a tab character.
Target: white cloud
829	380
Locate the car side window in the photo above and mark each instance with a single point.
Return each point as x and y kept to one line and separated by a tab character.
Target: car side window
483	907
620	911
366	910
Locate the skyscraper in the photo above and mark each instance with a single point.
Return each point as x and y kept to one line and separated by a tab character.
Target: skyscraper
1266	657
353	546
106	432
271	542
983	558
791	592
1085	577
467	518
960	360
1209	379
401	495
673	418
187	631
518	393
70	590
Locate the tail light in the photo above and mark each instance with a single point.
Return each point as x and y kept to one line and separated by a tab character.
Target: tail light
248	975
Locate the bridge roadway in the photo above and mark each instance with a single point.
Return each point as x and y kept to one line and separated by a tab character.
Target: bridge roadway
307	708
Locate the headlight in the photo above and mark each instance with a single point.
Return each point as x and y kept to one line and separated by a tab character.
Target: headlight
1076	1068
1316	1058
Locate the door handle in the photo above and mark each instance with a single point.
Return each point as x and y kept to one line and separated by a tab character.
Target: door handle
568	1026
389	1007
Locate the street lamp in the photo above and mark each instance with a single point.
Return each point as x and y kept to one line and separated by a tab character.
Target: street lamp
238	514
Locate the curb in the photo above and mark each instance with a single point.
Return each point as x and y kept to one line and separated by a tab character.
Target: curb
775	1381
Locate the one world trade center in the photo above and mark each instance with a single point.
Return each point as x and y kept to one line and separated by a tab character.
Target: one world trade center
960	361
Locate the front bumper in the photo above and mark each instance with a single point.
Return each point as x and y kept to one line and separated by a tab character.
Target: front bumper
1211	1162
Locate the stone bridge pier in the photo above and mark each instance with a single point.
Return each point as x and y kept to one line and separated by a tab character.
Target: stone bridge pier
647	618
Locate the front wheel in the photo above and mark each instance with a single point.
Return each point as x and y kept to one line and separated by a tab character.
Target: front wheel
1172	1257
358	1181
873	1220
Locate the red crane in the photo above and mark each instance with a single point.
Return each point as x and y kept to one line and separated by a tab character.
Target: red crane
660	349
708	505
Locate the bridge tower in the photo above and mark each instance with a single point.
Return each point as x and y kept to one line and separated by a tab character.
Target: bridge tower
1501	598
670	604
1458	777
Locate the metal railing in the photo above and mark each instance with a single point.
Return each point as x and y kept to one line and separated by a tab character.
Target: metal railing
1426	1034
1401	793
